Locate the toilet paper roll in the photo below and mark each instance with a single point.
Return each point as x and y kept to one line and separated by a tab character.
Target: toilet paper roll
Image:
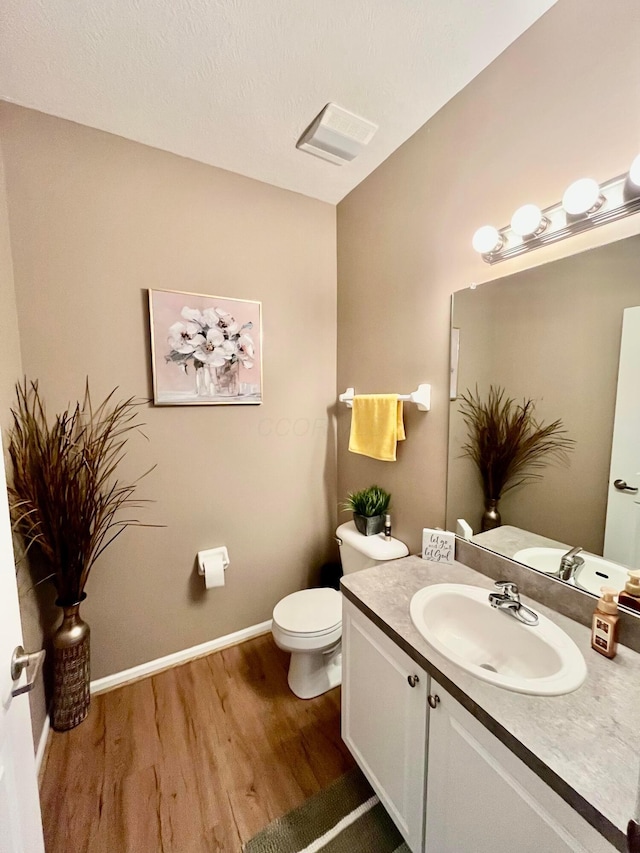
211	565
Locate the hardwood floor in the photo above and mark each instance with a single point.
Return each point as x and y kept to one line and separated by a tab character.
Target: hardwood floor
197	758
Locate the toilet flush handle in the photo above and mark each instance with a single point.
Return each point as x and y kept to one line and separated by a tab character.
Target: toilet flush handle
338	540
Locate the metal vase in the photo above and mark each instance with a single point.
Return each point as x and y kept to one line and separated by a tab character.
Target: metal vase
71	668
491	516
369	525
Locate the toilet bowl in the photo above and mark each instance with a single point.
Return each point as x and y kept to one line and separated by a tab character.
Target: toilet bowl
308	623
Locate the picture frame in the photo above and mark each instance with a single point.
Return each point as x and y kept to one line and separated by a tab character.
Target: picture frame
205	350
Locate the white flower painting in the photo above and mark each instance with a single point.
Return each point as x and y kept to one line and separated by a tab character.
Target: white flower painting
205	349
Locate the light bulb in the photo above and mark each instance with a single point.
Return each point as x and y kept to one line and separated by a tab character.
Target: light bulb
583	196
487	239
528	220
631	190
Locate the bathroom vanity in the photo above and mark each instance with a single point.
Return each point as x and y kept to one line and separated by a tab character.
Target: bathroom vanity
463	766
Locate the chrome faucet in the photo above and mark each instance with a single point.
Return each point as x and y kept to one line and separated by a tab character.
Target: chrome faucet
509	599
570	563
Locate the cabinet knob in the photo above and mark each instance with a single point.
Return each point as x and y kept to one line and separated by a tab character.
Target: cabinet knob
433	699
413	680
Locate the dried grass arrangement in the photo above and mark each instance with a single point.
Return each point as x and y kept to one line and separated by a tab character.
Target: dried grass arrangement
65	496
67	501
506	442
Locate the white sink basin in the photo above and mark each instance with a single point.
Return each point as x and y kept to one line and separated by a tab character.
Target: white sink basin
460	624
596	572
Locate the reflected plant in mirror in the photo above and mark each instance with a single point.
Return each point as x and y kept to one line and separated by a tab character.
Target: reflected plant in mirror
508	445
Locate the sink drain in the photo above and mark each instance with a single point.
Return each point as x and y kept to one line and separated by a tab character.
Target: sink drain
489	667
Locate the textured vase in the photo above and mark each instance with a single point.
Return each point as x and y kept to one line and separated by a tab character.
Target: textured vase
368	525
226	379
71	669
491	516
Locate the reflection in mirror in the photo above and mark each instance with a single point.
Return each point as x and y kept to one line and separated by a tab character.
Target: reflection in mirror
554	334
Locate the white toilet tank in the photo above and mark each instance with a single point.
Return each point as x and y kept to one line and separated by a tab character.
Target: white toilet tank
361	552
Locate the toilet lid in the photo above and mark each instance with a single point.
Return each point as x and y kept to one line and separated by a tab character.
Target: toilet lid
309	611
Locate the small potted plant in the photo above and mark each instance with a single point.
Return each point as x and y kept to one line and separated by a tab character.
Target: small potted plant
368	507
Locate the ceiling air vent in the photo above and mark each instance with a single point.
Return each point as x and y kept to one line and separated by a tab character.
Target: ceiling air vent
336	135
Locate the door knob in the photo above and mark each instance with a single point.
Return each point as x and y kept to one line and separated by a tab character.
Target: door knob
621	486
413	680
32	662
433	699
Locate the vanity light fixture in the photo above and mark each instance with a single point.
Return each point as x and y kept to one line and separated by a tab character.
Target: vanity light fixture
585	205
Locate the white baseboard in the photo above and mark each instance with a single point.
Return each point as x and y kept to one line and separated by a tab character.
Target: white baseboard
101	685
42	743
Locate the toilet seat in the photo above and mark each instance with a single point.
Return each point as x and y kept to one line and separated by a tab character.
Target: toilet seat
309	613
309	635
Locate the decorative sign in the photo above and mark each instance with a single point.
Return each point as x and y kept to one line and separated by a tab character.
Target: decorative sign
439	546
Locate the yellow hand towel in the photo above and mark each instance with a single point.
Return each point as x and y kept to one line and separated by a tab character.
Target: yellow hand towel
376	426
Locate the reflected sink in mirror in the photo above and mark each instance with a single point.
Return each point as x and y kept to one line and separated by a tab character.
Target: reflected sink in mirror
592	576
459	623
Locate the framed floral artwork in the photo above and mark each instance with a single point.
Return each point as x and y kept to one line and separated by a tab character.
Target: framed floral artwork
205	350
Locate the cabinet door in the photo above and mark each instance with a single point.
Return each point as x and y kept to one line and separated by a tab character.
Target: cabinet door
384	720
481	798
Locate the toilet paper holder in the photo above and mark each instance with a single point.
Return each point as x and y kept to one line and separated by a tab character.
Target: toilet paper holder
212	552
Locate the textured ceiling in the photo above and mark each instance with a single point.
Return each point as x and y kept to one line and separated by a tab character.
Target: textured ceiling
233	83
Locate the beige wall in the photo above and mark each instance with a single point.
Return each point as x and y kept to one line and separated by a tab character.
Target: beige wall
560	103
10	361
95	221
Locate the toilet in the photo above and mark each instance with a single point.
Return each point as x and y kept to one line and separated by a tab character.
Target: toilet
309	623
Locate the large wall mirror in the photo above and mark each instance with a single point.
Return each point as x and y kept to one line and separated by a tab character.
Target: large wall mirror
553	334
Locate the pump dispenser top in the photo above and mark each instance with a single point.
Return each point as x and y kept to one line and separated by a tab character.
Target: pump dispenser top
607	603
633	584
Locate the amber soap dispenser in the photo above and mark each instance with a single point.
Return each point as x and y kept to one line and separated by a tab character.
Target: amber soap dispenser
604	628
630	595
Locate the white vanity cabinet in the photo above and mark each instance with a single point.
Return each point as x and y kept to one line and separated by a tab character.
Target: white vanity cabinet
466	793
481	798
384	720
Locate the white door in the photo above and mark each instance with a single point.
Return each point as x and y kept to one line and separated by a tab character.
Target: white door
384	712
622	531
20	823
482	799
